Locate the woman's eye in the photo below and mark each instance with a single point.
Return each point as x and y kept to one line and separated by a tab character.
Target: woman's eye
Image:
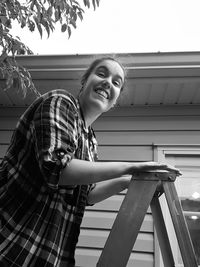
101	74
116	83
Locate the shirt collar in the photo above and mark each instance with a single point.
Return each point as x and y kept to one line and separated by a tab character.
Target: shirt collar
82	117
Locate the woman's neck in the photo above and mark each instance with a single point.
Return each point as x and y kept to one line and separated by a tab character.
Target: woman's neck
89	114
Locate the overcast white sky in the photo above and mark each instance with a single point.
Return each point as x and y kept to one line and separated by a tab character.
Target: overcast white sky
126	26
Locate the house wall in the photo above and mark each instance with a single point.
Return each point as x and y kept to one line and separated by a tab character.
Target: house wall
123	134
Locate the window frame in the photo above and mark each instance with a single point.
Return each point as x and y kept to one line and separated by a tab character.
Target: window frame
160	154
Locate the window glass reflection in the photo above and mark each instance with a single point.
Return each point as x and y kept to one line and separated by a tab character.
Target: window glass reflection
190	200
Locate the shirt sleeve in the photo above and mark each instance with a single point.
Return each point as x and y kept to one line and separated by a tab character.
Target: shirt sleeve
55	133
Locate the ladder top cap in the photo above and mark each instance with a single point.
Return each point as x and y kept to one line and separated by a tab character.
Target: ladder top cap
155	176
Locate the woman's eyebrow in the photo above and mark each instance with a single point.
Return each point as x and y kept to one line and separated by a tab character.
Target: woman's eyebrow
102	67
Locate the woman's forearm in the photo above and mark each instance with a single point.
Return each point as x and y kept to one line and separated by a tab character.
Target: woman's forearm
86	172
107	189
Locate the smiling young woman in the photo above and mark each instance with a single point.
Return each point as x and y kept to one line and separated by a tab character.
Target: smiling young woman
101	89
50	171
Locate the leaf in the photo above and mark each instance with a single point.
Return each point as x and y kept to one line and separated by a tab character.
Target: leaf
98	1
3	20
64	27
49	11
38	7
69	31
31	26
23	86
3	57
73	23
16	83
39	29
75	2
23	22
45	24
51	26
80	15
94	4
57	15
9	81
87	3
38	26
8	23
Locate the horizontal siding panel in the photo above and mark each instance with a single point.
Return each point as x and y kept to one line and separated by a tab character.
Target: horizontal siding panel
5	137
4	98
129	123
97	239
110	204
134	137
89	258
164	123
8	123
16	99
136	111
9	112
148	137
21	101
3	149
44	86
112	153
153	111
191	161
125	153
104	220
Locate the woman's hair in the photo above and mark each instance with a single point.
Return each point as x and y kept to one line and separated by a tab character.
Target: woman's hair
97	62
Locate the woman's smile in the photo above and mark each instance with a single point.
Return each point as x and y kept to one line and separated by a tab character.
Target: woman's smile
102	93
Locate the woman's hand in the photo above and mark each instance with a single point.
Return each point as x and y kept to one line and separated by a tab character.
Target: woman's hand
155	166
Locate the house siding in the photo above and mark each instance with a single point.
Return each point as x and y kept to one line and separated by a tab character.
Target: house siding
123	134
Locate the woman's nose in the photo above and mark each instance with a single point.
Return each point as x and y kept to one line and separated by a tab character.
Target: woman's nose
106	84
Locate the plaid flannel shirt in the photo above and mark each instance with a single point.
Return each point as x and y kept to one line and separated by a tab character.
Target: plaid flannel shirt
39	219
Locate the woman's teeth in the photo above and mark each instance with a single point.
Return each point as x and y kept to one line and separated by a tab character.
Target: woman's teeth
102	93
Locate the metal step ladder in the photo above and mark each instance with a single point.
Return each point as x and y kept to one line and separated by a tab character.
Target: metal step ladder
144	190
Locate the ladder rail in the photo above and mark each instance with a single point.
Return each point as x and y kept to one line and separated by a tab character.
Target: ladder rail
180	225
143	191
126	226
162	234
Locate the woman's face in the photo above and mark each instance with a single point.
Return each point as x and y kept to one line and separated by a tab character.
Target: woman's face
103	85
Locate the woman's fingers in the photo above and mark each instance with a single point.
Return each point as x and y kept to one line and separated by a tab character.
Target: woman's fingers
170	168
160	166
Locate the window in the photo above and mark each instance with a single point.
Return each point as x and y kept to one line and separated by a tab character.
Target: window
188	189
